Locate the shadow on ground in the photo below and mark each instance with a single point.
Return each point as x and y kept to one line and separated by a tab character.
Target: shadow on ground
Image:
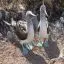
53	50
33	58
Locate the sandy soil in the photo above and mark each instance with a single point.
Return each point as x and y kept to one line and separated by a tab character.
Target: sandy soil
11	54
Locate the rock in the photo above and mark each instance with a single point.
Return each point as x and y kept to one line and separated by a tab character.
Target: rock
57	61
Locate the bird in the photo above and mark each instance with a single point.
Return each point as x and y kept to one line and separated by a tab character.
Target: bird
23	27
30	28
43	24
27	43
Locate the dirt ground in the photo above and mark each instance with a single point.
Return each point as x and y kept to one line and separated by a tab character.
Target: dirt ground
11	53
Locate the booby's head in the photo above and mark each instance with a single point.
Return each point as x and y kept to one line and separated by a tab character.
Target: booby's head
43	10
30	13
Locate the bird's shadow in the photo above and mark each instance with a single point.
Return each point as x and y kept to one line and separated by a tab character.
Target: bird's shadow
33	58
53	50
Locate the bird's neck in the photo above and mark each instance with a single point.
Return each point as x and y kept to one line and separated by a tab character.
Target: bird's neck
29	21
42	16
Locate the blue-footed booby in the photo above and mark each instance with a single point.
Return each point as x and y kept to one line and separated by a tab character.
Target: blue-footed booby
26	44
43	24
30	28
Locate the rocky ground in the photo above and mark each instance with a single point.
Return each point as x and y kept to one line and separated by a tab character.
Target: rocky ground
11	53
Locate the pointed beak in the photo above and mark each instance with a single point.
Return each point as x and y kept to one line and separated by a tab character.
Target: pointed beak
46	13
33	14
29	12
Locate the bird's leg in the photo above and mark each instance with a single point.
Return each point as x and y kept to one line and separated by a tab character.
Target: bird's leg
46	42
